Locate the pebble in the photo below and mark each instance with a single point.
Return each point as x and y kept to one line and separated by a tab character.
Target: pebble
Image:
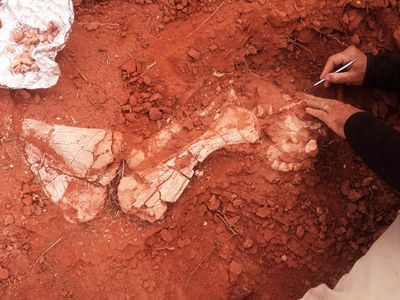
155	114
345	187
248	243
263	212
352	208
367	181
166	235
184	242
24	94
155	97
268	235
235	268
4	273
92	26
355	195
214	203
300	231
8	220
194	54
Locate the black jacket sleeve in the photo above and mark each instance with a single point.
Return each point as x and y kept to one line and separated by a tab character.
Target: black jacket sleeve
383	71
377	144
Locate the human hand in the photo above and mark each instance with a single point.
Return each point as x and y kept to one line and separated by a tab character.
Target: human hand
333	113
353	75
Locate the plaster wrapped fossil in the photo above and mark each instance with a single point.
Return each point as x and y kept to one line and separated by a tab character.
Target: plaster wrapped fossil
31	35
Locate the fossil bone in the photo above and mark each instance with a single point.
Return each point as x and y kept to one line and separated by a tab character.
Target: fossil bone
74	165
146	192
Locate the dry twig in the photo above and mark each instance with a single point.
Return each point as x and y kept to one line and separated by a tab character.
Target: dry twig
205	258
48	249
225	221
206	20
290	40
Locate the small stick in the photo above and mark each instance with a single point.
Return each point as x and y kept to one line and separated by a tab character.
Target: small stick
45	251
205	258
223	219
148	68
296	6
301	46
82	75
206	20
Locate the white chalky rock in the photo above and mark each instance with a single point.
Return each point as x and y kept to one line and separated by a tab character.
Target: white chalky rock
146	192
74	165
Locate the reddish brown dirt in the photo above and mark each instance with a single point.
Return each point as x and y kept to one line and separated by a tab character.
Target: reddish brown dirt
292	234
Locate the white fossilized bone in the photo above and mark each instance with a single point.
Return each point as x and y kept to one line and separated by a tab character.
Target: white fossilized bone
74	165
146	192
292	145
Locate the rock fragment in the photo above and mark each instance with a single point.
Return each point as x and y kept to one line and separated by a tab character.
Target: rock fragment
8	220
194	54
4	273
235	268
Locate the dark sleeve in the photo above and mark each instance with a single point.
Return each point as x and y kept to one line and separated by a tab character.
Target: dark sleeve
383	71
377	144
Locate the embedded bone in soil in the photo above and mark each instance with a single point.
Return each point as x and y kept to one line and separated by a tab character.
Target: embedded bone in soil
30	36
146	192
24	63
292	145
74	165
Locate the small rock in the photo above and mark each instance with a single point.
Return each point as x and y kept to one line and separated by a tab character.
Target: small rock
300	231
24	94
235	268
213	203
284	258
367	181
213	47
263	212
8	220
166	235
248	243
92	26
133	101
129	66
345	187
355	195
155	97
268	235
155	114
126	108
352	208
188	124
184	242
4	273
194	54
147	80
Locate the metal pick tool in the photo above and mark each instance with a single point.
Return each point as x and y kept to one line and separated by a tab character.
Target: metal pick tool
337	71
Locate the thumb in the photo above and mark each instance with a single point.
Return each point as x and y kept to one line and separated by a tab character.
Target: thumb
339	78
317	113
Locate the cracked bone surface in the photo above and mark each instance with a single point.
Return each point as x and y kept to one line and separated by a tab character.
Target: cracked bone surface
146	191
74	165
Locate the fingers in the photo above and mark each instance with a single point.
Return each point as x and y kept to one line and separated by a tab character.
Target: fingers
317	113
317	103
333	62
339	78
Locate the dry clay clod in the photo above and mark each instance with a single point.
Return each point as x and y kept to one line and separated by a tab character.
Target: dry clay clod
74	165
146	192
